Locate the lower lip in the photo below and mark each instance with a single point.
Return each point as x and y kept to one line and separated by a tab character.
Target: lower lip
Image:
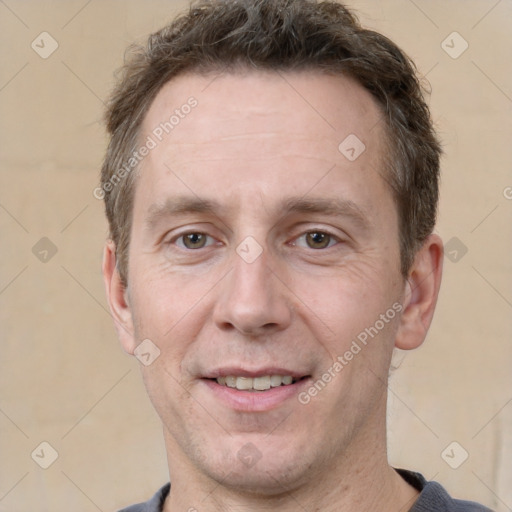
255	401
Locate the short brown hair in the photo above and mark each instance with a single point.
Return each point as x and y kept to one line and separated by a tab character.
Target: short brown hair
279	35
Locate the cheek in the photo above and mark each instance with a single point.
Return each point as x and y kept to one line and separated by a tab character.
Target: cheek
355	317
350	298
162	299
171	313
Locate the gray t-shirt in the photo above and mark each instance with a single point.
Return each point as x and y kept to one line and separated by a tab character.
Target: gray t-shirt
432	498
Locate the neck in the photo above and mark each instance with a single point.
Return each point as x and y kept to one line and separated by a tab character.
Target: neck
358	479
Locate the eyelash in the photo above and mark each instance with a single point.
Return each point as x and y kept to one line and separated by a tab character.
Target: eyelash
333	239
183	235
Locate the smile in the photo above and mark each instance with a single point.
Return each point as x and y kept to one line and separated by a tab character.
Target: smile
262	383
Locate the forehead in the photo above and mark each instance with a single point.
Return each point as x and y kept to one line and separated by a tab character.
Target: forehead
262	127
302	104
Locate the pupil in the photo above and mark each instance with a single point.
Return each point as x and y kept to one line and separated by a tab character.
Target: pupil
195	240
318	240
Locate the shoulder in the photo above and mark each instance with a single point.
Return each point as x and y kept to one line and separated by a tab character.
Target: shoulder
155	504
433	497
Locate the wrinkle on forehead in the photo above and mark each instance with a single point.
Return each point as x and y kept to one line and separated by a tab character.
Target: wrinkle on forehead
255	132
272	100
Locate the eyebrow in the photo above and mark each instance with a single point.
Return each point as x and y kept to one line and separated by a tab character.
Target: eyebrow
183	205
336	207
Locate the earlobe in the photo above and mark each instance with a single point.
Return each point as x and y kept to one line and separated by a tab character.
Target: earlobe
420	295
117	299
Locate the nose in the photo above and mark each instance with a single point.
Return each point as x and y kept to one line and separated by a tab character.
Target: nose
253	299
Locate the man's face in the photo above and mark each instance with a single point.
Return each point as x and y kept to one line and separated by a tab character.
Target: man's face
260	249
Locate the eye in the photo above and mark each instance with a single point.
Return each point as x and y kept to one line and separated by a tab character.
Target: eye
194	240
316	240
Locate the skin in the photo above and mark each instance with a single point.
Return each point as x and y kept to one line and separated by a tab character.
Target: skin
253	143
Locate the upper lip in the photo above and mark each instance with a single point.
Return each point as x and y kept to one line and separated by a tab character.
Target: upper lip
252	373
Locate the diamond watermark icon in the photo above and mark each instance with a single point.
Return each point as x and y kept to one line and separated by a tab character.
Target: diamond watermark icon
146	352
249	249
454	455
44	455
454	45
44	45
44	250
352	147
455	250
249	454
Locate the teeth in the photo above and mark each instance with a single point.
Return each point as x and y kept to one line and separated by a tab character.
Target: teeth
275	380
244	383
257	383
261	383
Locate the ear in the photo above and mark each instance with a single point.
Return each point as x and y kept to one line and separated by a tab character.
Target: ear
421	291
117	299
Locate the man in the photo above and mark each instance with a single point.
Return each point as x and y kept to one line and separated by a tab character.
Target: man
271	186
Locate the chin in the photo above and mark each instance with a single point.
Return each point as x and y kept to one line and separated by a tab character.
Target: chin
270	471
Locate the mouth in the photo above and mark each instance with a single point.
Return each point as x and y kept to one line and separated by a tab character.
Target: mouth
257	384
254	390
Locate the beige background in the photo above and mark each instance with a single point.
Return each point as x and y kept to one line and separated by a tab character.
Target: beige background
63	377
